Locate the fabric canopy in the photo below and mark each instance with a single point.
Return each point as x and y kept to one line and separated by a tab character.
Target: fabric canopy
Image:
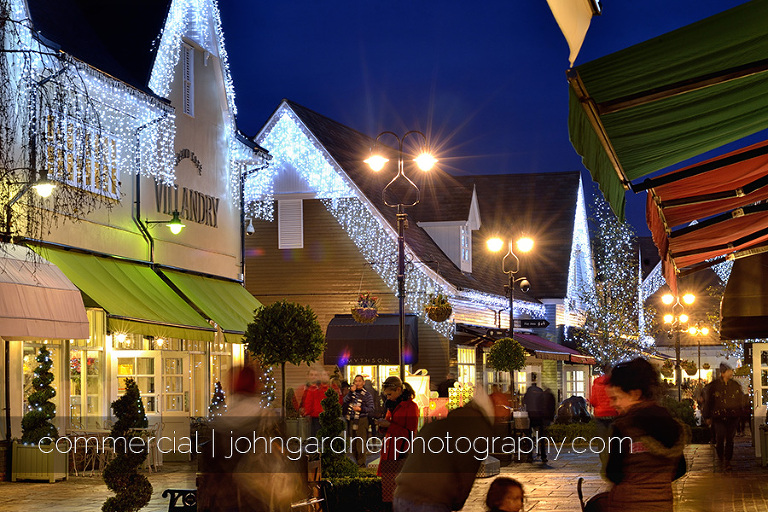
745	300
225	302
720	196
36	298
349	342
135	298
644	108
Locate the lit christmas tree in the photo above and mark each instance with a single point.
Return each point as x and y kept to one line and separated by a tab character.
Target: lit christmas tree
270	386
36	423
218	403
611	330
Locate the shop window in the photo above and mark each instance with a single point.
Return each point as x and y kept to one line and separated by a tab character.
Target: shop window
173	384
467	360
574	383
86	388
198	403
221	367
142	370
492	376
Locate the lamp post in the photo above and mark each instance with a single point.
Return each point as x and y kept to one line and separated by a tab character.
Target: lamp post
524	244
677	319
425	162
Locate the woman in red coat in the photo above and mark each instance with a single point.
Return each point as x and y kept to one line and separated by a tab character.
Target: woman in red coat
399	426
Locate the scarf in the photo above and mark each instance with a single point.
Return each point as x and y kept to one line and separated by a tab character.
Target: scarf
353	415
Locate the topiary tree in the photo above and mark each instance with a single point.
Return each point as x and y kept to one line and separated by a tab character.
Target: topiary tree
218	402
334	465
291	412
132	490
507	355
285	332
36	423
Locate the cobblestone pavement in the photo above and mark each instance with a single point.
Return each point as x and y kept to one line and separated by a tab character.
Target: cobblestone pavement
552	488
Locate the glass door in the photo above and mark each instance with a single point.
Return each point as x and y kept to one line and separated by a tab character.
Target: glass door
144	368
175	383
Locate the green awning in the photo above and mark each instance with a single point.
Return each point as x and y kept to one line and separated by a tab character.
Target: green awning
644	108
134	297
225	302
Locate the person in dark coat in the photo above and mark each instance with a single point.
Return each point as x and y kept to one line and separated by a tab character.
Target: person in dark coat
646	454
722	408
358	407
540	405
443	387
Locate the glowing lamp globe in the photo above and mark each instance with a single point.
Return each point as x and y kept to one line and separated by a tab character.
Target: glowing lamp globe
425	161
525	244
494	244
376	162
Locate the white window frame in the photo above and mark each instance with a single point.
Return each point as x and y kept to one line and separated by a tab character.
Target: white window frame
465	248
466	358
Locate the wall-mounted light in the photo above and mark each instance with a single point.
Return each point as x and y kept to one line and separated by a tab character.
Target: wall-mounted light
44	187
175	224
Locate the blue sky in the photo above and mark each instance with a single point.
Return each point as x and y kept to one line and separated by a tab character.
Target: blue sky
485	80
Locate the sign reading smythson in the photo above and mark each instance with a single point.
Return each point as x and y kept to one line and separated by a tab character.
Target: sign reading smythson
192	205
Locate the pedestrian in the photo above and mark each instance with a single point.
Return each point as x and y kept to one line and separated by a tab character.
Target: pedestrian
602	410
378	406
310	402
438	477
237	480
646	453
505	495
722	409
443	387
540	405
358	406
399	425
501	405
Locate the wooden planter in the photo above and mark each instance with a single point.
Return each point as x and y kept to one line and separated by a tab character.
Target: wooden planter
439	313
364	315
31	463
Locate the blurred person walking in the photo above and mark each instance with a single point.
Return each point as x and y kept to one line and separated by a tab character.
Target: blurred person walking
722	409
646	454
540	405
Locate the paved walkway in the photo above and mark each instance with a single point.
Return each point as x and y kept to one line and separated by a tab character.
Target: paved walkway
547	489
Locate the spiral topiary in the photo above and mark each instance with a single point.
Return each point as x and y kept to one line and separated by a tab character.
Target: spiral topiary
334	465
36	423
132	490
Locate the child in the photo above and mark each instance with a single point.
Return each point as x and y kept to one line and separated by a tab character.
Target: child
505	495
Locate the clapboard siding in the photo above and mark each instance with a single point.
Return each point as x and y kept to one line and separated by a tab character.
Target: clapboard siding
327	274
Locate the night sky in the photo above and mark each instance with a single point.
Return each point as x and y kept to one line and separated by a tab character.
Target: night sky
485	80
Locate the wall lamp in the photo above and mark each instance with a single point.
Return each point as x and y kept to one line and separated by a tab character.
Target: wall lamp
175	224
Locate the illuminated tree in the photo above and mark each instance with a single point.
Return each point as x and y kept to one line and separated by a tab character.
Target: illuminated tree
611	332
36	423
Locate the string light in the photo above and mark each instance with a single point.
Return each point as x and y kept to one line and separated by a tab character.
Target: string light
580	272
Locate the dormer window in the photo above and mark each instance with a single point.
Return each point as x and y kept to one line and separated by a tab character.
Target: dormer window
466	249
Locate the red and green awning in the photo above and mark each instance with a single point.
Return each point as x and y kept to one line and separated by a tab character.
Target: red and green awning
671	98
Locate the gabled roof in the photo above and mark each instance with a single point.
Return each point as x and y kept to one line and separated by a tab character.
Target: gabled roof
349	148
542	206
117	37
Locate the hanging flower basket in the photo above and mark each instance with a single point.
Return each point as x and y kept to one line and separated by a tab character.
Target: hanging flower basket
667	369
705	366
689	367
366	310
438	308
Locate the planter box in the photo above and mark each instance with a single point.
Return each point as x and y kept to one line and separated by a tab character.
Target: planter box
30	463
297	427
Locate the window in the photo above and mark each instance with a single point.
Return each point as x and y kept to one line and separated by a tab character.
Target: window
466	249
142	370
492	376
82	156
574	383
85	387
188	79
290	224
467	359
173	384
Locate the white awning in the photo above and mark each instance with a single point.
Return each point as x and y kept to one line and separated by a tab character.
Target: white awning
36	298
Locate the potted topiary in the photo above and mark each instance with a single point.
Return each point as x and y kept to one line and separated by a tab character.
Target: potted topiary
438	308
296	425
507	355
132	490
36	458
366	310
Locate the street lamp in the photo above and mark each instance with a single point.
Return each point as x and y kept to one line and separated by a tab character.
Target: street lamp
523	244
43	186
677	319
425	161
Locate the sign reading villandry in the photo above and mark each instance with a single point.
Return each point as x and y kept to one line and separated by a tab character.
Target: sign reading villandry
192	205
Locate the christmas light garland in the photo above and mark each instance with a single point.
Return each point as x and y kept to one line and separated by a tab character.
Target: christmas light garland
581	277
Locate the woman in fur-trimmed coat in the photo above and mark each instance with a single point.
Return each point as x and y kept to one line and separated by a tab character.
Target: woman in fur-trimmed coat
650	457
